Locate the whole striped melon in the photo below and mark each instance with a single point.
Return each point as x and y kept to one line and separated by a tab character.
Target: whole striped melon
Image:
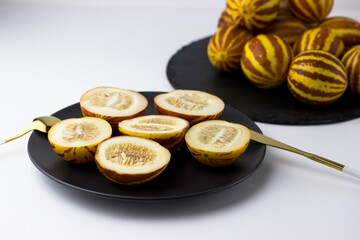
284	7
317	77
225	19
311	10
225	47
351	62
287	27
320	39
265	60
253	14
348	29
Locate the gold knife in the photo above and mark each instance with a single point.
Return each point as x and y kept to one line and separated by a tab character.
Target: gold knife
258	137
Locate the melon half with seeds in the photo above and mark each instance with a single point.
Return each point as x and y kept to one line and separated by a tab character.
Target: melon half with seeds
217	143
169	131
113	104
191	105
131	160
76	139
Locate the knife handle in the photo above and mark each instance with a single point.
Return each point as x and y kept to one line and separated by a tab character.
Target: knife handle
351	171
258	137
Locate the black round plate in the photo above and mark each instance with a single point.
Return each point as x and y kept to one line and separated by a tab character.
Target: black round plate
190	68
184	176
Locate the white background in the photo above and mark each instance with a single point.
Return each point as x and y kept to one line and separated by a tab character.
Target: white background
53	51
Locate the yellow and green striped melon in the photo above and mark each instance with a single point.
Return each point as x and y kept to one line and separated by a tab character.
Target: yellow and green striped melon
320	39
311	10
225	47
351	62
265	61
317	77
348	29
253	14
287	27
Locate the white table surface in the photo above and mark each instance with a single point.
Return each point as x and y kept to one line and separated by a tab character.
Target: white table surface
53	51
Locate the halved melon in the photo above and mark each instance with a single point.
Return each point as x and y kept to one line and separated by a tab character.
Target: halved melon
131	160
194	106
76	139
167	130
217	143
113	104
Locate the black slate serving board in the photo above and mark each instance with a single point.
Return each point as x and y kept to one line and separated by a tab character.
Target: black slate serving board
189	68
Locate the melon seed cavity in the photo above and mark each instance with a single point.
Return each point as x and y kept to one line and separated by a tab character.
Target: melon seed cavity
130	155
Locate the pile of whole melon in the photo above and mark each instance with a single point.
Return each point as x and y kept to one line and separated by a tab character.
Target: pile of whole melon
292	41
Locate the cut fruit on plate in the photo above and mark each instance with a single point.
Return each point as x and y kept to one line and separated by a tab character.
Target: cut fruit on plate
191	105
217	143
76	139
113	104
131	160
169	131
